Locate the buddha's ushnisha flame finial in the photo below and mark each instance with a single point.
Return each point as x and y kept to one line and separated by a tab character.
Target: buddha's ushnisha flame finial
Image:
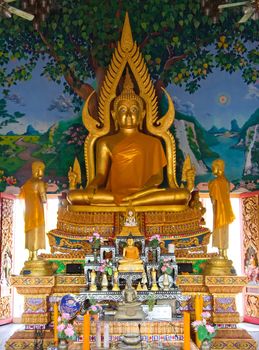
128	84
128	92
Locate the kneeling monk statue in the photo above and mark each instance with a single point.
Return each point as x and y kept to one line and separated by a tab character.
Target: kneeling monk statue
131	261
129	163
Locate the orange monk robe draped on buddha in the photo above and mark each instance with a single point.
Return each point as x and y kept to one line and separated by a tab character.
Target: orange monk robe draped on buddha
134	160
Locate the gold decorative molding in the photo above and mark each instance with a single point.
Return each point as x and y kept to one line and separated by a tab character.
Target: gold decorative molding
190	279
70	280
42	318
32	281
29	285
26	340
233	339
225	284
223	318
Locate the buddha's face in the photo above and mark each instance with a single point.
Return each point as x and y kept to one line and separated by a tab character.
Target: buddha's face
38	172
130	241
217	169
128	114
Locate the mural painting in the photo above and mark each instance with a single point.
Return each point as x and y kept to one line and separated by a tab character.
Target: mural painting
46	73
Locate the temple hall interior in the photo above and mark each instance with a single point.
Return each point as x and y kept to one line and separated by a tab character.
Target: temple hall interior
129	175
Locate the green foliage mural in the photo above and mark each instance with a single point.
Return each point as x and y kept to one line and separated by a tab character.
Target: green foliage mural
72	48
175	37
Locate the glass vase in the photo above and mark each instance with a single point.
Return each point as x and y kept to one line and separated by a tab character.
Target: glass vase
104	281
95	251
206	345
165	281
154	255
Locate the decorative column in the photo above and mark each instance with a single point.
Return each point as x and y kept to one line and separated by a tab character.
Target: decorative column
224	313
6	256
36	291
250	225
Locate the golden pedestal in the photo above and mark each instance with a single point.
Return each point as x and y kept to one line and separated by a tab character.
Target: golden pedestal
36	291
218	292
25	340
37	268
219	266
233	339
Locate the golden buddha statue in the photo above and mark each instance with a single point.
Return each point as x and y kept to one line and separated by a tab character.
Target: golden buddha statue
34	194
219	190
130	163
124	165
131	261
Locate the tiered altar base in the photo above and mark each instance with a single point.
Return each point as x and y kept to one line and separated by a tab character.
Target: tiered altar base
218	293
77	223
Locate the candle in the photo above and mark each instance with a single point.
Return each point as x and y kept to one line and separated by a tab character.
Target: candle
198	311
86	332
55	323
98	338
201	304
197	307
106	335
186	330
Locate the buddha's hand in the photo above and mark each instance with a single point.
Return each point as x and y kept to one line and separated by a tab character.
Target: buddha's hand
90	191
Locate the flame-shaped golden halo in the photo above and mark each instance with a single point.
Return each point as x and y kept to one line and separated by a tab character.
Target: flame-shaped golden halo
127	52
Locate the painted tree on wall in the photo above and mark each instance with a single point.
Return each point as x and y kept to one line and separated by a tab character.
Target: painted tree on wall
180	44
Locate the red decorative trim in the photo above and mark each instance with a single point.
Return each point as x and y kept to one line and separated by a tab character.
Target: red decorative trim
250	319
6	321
249	194
7	195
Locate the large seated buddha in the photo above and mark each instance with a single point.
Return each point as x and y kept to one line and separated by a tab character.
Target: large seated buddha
124	153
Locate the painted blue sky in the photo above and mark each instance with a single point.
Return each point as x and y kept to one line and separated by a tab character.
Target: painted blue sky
221	98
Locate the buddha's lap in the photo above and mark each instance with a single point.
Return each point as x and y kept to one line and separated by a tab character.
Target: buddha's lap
177	196
129	261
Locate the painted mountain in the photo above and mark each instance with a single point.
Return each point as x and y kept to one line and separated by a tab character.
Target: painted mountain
249	139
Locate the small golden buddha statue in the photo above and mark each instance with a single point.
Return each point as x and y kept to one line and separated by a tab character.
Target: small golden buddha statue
131	261
130	163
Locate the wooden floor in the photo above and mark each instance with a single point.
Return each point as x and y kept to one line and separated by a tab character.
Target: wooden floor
7	330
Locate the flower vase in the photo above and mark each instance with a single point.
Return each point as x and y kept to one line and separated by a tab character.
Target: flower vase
63	344
104	281
165	282
206	345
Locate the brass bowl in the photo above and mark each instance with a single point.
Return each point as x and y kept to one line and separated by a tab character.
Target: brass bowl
131	339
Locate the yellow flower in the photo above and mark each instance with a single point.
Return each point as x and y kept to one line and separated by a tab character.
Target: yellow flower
222	42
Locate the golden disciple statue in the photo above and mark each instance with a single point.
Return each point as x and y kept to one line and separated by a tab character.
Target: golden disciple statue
34	194
129	147
130	260
219	190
